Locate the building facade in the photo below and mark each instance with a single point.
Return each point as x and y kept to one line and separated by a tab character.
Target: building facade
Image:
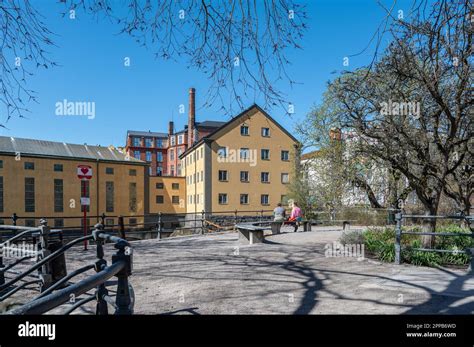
150	147
167	195
246	165
39	179
162	150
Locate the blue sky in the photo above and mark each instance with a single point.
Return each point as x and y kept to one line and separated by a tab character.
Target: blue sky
147	94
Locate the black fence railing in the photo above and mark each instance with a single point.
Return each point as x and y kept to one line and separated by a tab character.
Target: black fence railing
48	273
399	232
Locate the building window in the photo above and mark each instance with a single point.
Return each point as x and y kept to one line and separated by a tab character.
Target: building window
109	222
180	139
284	199
59	223
150	171
222	152
109	196
132	196
244	153
148	142
174	185
1	164
285	178
285	155
171	154
136	142
265	154
29	194
133	222
159	157
244	199
244	176
85	186
159	199
196	198
29	165
180	151
159	143
264	199
132	172
58	167
159	185
136	154
1	194
58	195
175	199
179	170
223	175
148	156
172	140
222	199
159	171
244	130
266	132
109	170
265	177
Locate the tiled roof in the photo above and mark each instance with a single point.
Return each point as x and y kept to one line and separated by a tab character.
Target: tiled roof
60	149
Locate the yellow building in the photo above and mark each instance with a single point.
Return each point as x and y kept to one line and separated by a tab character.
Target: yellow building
167	194
39	179
244	165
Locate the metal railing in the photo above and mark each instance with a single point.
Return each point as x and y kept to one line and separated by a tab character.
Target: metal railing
399	217
57	290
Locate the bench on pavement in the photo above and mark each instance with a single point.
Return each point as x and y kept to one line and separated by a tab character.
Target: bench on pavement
252	233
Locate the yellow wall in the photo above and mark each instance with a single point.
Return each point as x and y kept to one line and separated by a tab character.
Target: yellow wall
14	174
232	139
167	192
194	164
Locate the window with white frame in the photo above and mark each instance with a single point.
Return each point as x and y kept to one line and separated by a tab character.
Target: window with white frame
222	198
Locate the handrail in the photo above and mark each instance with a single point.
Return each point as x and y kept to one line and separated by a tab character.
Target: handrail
45	260
53	297
62	296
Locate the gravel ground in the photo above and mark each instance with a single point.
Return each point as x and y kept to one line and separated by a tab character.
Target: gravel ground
288	274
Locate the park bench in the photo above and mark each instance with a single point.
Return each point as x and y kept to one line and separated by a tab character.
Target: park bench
250	233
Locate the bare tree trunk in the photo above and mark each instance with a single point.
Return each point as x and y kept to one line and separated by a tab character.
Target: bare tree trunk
429	226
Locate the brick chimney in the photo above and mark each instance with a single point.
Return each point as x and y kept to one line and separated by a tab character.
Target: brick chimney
191	116
170	128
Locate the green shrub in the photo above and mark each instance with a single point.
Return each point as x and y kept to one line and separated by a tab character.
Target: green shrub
352	238
381	243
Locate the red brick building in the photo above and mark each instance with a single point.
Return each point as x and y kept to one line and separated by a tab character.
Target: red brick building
162	150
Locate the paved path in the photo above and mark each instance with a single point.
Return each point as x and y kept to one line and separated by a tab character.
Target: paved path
288	274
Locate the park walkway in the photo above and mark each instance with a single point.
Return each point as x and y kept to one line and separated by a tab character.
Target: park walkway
288	274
